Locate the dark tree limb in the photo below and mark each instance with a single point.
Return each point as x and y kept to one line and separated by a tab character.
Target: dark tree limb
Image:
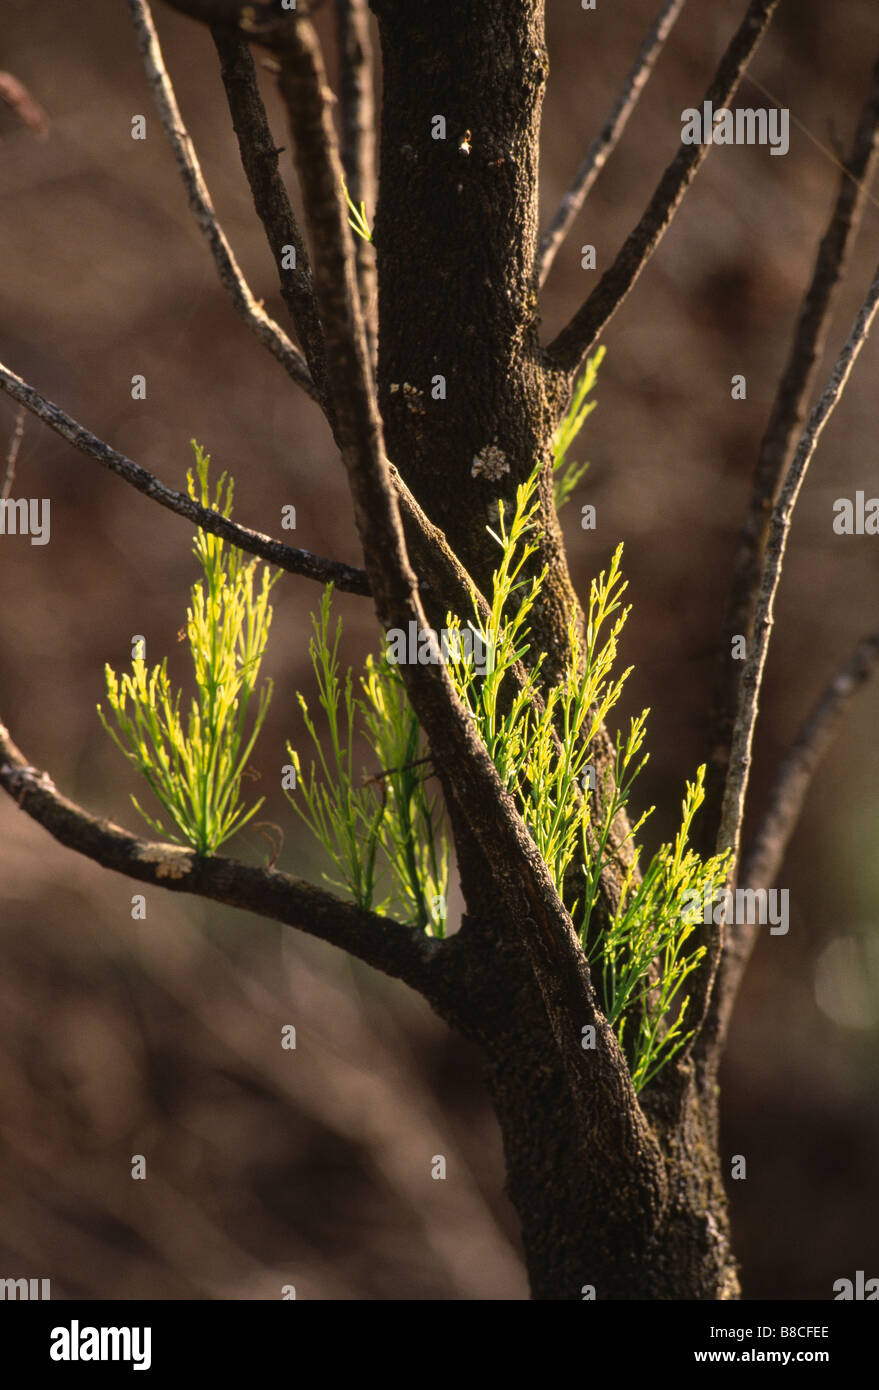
286	557
358	140
403	952
567	351
779	441
601	1089
608	137
261	324
736	785
259	159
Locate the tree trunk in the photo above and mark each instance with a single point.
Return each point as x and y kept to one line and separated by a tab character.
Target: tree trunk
482	67
469	406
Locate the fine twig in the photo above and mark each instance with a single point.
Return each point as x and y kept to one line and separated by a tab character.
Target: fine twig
16	96
260	323
738	773
763	859
12	454
286	557
779	441
761	863
259	159
567	350
390	771
400	951
608	137
358	139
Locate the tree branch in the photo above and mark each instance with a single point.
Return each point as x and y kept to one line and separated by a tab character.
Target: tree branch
12	454
601	1088
763	860
606	140
358	140
259	159
761	863
567	350
752	677
777	446
258	321
403	952
286	557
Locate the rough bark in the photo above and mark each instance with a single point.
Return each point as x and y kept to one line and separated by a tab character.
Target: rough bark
455	236
619	1193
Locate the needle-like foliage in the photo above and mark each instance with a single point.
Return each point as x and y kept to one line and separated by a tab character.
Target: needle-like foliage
384	835
567	475
195	772
642	958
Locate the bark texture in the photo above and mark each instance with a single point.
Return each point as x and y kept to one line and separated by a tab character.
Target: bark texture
617	1194
456	235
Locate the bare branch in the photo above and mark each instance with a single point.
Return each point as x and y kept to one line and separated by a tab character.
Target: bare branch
259	158
608	137
12	454
763	860
752	677
287	558
761	863
359	429
601	1088
358	139
568	349
258	321
400	951
16	96
779	441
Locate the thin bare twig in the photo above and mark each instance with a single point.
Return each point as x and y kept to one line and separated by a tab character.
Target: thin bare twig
778	443
260	323
12	454
286	557
608	137
566	351
403	767
16	96
259	159
358	140
763	859
738	773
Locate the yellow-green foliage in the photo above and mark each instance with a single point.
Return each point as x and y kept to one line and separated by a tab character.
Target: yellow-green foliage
195	772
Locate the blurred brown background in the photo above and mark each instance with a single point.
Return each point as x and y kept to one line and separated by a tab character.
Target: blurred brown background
162	1038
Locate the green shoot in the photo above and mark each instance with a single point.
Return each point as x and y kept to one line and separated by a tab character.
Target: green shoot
640	960
357	219
388	826
567	477
643	959
196	773
345	820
